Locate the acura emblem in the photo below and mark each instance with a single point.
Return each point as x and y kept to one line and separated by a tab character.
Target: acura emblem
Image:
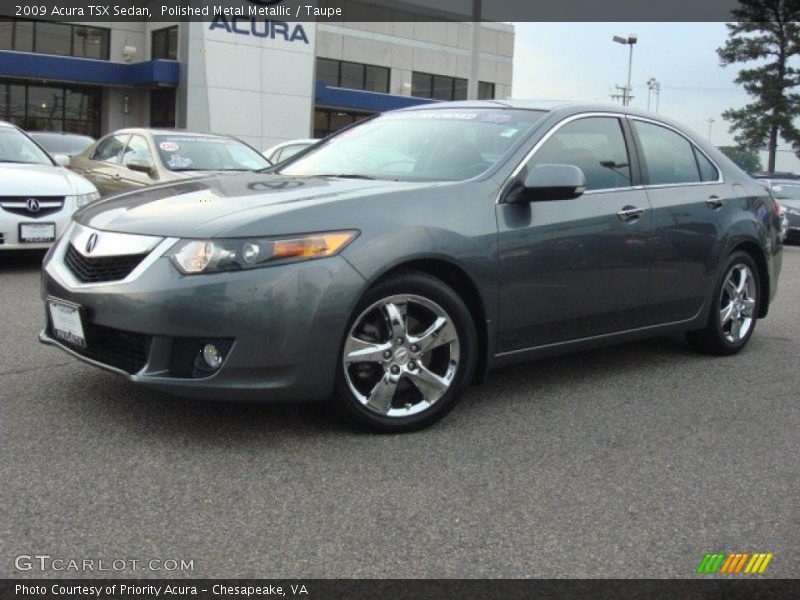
33	205
91	243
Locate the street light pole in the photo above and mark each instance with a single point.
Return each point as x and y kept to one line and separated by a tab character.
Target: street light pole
710	125
628	41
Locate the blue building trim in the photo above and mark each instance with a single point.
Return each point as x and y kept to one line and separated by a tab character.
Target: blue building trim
334	97
87	70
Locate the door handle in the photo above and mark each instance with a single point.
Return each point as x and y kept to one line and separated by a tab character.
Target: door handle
715	202
630	213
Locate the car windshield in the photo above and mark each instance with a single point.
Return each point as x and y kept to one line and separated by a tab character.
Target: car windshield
16	147
782	191
57	143
451	144
198	153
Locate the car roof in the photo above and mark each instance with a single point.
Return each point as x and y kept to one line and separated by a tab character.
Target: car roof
7	124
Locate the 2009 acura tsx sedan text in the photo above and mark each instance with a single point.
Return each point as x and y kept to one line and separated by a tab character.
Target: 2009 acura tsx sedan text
398	261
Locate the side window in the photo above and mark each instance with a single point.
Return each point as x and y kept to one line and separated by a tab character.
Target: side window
110	149
137	150
708	172
669	158
594	144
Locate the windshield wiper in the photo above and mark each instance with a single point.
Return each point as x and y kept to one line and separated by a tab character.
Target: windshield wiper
19	162
344	176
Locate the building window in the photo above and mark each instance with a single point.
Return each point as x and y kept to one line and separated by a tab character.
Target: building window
438	87
62	39
162	107
354	76
485	90
51	107
328	121
165	43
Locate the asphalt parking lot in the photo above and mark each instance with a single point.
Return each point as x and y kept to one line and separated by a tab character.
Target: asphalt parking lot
631	461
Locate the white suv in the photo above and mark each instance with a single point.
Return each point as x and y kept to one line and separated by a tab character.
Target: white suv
37	195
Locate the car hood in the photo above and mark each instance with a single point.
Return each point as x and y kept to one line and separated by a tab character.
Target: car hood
41	180
235	205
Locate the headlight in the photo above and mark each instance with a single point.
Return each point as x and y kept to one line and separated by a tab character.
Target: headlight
84	199
211	256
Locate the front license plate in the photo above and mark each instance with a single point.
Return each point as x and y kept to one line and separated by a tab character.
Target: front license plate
37	232
67	324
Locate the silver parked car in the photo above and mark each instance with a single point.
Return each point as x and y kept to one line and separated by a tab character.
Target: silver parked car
60	144
398	262
286	150
134	158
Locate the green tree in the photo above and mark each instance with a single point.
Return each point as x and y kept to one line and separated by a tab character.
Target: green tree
747	160
768	33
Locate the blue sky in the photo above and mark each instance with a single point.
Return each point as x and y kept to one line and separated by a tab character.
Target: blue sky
578	61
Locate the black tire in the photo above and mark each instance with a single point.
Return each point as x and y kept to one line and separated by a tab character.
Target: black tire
418	285
713	338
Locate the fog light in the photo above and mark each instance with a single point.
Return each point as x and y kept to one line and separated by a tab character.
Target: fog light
212	356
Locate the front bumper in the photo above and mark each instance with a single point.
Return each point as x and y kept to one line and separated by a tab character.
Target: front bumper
286	324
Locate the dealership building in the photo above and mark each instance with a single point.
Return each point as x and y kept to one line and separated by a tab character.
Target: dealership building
262	81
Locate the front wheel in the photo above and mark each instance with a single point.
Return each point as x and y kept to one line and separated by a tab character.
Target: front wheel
734	312
409	352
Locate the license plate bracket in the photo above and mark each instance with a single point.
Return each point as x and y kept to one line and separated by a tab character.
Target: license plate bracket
37	233
67	321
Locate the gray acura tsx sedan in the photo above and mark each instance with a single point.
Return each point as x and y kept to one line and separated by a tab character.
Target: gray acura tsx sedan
400	260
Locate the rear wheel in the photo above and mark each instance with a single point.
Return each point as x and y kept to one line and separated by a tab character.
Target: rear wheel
733	316
409	352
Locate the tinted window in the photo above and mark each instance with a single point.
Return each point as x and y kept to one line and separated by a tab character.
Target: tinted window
53	38
669	158
708	172
328	71
110	148
165	43
90	42
485	90
596	145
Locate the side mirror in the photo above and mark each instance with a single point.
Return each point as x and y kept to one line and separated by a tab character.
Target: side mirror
62	160
141	165
553	182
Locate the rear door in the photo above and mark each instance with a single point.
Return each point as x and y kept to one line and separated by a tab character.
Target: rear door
571	269
687	196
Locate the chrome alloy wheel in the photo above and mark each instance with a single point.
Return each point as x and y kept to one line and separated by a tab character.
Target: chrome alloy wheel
737	303
401	355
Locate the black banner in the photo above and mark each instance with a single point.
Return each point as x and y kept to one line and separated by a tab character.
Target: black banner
374	10
316	589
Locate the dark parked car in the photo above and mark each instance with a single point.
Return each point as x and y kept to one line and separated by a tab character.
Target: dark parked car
400	260
134	158
60	144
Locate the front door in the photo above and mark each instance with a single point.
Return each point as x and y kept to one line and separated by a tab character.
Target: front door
572	269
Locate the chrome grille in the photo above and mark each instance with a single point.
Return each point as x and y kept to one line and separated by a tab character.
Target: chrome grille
32	207
101	269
